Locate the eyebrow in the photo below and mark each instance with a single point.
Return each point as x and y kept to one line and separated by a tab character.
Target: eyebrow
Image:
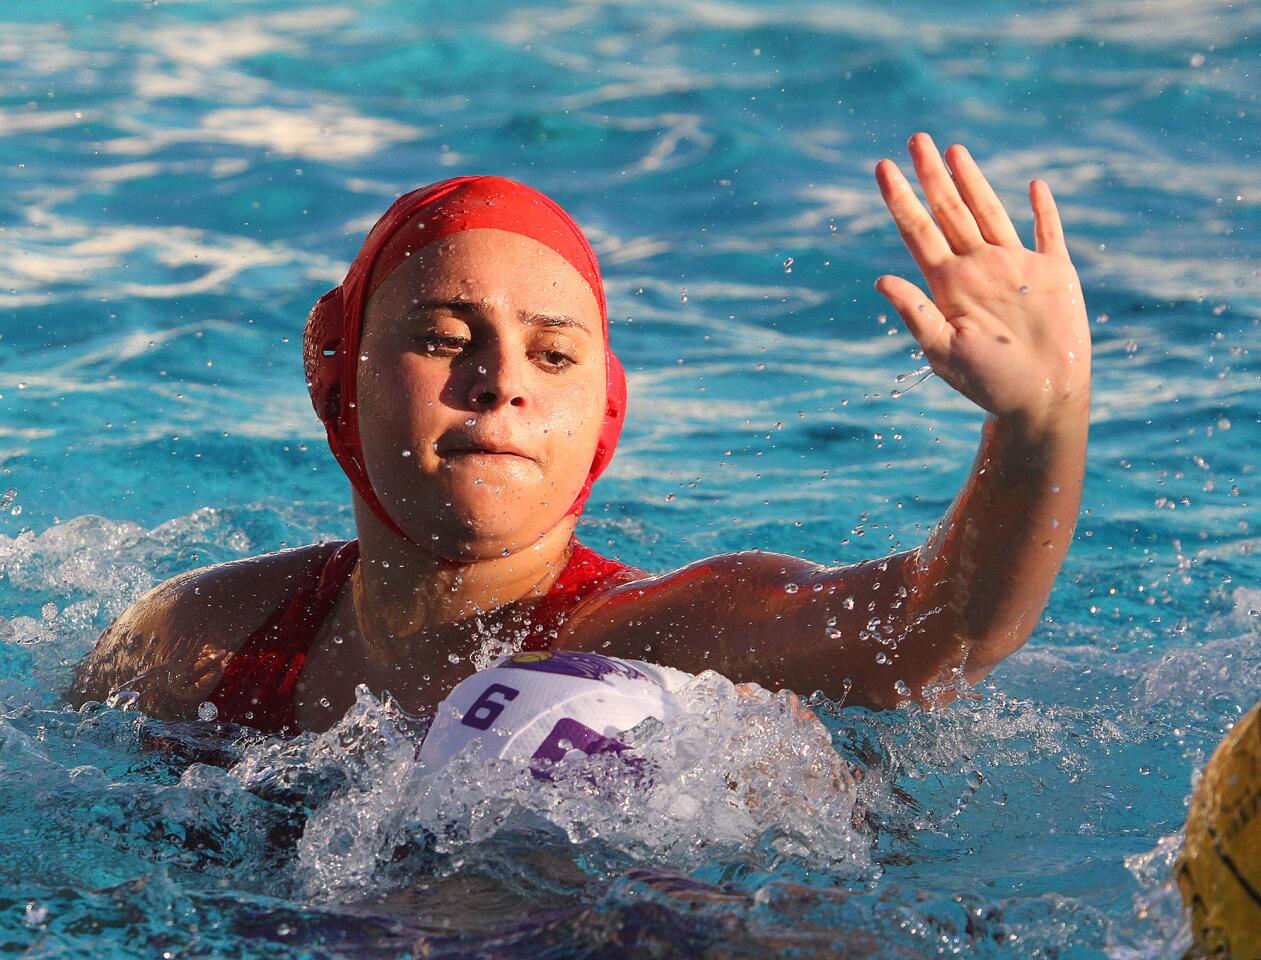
462	306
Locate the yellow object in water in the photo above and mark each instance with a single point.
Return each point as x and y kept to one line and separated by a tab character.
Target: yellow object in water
1219	872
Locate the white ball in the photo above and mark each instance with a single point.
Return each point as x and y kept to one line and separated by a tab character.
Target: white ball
541	705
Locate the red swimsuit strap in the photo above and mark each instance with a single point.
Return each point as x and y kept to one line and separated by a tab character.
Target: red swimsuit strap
583	575
260	679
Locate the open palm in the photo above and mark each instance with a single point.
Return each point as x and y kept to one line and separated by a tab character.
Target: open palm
1005	326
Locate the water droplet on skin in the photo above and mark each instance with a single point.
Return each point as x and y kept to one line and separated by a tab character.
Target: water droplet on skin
207	711
1023	289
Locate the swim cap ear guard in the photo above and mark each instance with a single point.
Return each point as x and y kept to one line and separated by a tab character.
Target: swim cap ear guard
333	327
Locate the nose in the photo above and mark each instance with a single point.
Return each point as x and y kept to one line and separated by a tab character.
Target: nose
498	380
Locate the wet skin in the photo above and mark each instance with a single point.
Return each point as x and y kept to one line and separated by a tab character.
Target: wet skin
495	328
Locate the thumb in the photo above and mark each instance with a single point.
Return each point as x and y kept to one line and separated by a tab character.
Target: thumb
927	324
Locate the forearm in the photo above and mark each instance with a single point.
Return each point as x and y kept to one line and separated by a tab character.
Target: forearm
988	568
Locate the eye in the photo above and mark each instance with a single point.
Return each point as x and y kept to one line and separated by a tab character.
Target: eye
443	346
555	359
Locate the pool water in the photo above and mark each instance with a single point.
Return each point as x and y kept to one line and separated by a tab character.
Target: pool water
183	180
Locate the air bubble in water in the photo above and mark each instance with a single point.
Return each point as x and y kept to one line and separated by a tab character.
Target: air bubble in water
902	689
790	588
48	611
207	711
7	498
882	657
471	422
788	265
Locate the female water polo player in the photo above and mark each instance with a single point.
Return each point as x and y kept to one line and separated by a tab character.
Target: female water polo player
464	374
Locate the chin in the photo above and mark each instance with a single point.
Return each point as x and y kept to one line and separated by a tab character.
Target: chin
479	525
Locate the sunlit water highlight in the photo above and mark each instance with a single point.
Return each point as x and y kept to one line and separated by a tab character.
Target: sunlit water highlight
183	180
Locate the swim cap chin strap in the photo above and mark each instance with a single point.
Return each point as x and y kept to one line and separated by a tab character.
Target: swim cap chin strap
335	324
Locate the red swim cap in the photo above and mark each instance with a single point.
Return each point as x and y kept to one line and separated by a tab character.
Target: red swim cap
331	343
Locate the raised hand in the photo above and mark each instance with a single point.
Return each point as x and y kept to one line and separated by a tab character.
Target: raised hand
1005	326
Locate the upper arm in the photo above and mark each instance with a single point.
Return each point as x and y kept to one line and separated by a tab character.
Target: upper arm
141	637
166	631
858	633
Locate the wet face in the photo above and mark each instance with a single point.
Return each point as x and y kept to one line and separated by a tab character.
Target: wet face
481	392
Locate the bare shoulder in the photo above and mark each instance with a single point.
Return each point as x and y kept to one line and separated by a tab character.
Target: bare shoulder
214	607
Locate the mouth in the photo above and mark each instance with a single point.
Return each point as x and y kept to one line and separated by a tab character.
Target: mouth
487	449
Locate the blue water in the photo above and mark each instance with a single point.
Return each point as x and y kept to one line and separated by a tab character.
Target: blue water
181	181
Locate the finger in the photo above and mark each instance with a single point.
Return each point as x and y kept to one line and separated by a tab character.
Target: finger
921	316
952	214
1048	232
989	212
919	233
